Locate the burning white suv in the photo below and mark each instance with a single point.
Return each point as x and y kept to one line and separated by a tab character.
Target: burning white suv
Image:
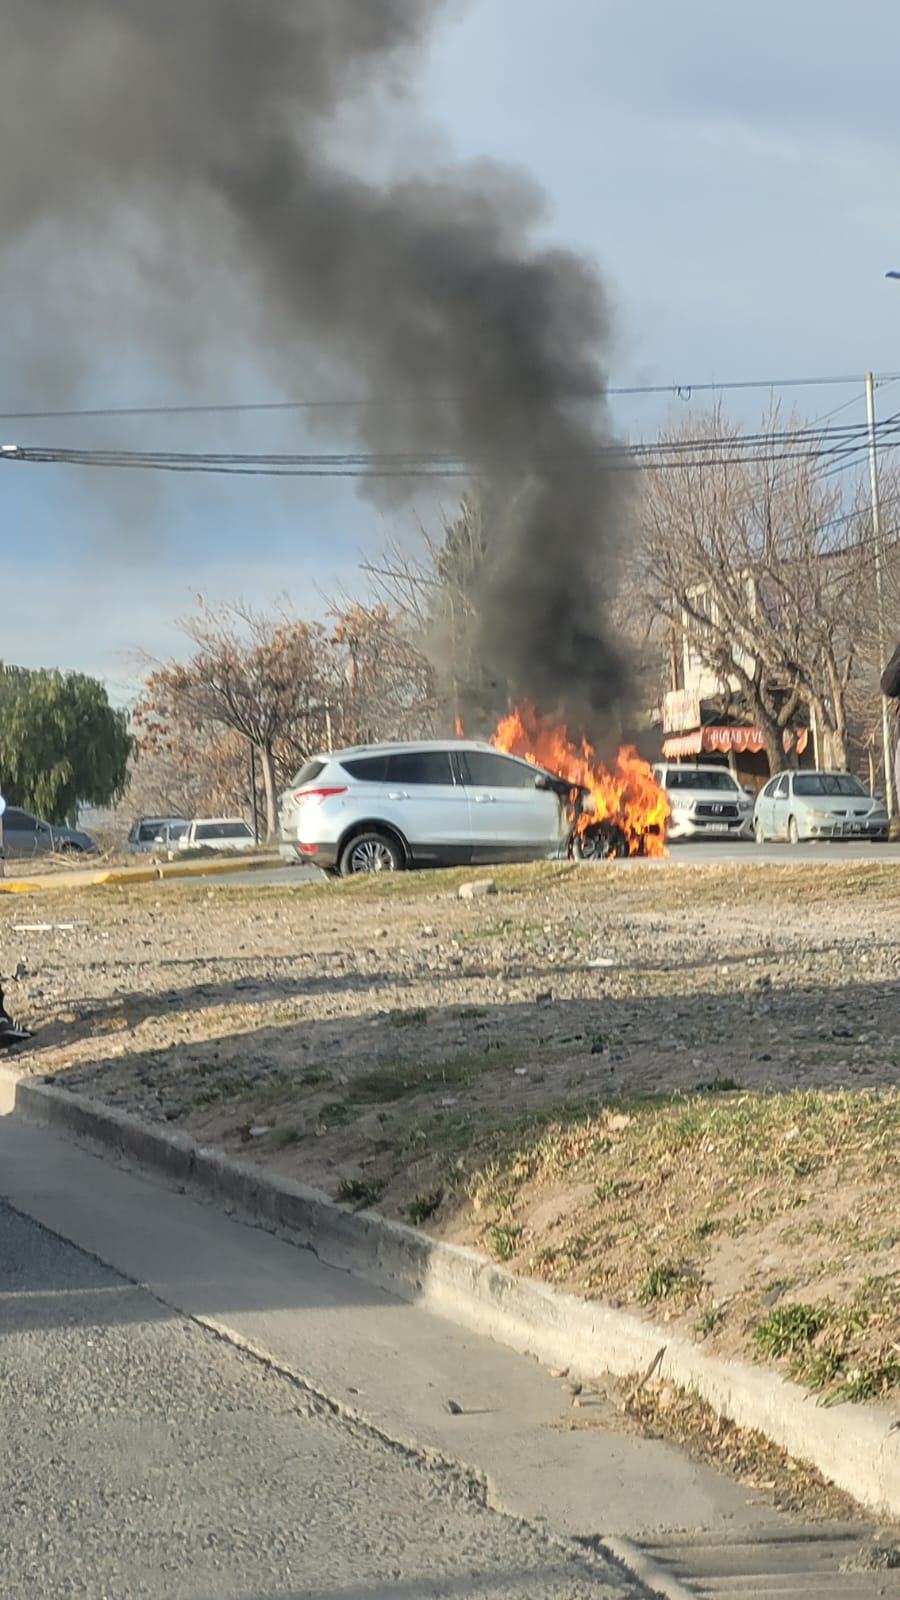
707	802
379	808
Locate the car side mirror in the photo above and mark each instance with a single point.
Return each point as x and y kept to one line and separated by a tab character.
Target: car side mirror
750	793
541	781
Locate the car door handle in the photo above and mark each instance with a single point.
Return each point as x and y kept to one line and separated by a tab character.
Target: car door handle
484	800
398	794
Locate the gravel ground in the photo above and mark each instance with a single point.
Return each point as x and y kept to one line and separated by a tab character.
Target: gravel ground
395	1044
143	1457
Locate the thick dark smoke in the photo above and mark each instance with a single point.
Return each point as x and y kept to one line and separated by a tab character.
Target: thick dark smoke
200	133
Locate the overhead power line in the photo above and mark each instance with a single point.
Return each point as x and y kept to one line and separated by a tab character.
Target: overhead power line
836	446
682	391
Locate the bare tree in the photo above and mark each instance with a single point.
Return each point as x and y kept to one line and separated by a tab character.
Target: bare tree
281	687
753	555
185	772
437	586
383	682
263	678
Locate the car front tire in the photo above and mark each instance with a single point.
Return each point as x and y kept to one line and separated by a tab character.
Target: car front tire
370	852
793	831
758	834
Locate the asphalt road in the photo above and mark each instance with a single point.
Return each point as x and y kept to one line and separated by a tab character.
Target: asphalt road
142	1456
709	852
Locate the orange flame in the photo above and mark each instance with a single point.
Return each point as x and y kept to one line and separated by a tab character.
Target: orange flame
460	732
627	794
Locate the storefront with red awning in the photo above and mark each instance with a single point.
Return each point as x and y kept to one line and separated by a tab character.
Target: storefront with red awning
721	739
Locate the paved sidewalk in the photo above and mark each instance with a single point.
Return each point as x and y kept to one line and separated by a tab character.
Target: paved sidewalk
399	1368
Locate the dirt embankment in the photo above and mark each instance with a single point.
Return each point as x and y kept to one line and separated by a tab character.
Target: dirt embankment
672	1089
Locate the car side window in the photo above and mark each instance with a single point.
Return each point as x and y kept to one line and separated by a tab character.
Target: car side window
496	772
420	766
781	788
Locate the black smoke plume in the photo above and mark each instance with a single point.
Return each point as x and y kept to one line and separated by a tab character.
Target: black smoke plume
199	136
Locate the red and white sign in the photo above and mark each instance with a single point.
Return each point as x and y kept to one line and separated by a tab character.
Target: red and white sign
721	739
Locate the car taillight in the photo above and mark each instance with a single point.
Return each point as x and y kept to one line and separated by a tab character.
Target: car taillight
302	795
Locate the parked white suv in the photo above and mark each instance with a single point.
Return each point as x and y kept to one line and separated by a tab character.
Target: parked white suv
706	802
379	808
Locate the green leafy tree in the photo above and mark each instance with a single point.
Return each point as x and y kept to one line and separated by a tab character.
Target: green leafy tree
61	742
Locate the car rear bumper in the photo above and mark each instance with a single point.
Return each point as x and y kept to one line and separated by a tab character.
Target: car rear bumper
315	855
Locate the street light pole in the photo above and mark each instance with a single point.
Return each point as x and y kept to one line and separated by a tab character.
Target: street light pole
878	540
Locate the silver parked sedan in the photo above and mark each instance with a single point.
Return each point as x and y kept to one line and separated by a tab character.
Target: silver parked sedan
818	805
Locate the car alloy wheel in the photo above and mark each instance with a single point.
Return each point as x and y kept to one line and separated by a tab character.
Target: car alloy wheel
371	852
758	834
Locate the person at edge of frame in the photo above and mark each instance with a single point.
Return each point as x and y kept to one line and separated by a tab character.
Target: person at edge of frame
890	688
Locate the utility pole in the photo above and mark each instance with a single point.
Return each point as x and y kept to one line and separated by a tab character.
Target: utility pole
254	799
878	540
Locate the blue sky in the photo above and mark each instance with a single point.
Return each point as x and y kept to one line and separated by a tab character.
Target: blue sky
733	171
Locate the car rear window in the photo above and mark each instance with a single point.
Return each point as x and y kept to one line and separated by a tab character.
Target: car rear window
367	769
16	821
308	774
420	766
689	778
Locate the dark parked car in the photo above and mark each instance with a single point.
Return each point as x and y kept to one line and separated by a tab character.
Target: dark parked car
27	835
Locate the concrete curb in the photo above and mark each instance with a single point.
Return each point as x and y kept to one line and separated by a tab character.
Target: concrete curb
87	878
852	1445
207	869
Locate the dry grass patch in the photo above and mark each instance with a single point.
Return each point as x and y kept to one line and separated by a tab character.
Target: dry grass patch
661	1410
769	1224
